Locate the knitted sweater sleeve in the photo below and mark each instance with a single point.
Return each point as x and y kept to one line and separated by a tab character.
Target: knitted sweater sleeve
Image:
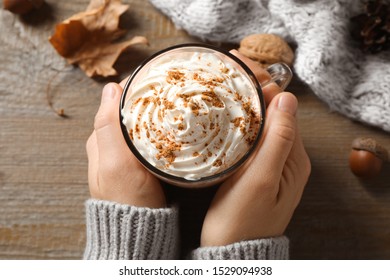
117	231
275	248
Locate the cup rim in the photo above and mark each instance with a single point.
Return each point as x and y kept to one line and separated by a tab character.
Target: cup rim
179	179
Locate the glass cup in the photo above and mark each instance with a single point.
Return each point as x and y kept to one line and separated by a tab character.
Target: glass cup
192	114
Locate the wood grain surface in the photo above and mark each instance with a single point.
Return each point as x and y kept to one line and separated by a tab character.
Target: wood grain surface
43	164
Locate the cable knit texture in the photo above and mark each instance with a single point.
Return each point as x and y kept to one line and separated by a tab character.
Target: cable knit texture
261	249
116	231
327	58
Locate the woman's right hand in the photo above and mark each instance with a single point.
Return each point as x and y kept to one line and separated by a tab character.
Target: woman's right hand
259	199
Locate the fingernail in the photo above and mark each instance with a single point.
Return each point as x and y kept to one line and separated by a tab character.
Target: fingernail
109	92
288	103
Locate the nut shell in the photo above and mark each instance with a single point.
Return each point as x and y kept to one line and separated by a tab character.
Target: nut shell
266	49
371	145
364	164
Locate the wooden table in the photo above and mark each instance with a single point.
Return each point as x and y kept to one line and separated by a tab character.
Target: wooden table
43	164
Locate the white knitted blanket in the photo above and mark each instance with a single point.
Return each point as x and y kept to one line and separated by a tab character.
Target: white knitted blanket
327	58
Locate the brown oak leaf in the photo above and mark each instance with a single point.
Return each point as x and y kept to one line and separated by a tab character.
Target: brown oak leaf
86	38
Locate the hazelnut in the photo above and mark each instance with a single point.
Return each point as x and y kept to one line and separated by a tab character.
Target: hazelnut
266	49
367	157
21	7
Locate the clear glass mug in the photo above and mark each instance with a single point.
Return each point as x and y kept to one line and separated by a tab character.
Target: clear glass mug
181	89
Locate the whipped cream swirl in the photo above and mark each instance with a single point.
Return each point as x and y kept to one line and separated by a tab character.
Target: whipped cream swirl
192	115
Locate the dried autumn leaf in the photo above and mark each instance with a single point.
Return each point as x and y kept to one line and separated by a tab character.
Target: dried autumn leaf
87	38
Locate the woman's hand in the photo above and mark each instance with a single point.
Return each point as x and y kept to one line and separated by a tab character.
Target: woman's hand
258	200
113	171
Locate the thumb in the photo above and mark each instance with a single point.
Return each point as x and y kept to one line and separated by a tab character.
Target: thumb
110	141
280	132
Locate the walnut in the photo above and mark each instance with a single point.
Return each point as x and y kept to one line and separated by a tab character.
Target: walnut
266	49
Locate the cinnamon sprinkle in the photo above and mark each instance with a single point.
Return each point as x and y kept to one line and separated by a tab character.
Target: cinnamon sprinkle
167	151
148	100
131	134
196	76
213	98
225	70
237	121
237	96
175	76
135	102
195	108
169	104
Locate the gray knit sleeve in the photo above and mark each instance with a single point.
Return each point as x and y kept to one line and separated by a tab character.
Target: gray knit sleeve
117	231
275	248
